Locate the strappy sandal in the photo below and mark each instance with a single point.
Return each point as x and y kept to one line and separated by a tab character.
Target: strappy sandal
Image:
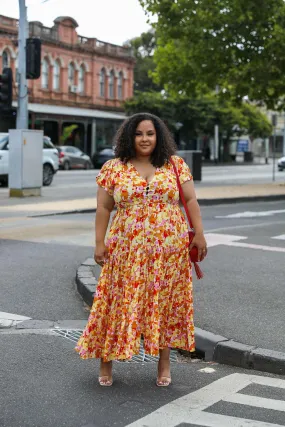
106	381
163	382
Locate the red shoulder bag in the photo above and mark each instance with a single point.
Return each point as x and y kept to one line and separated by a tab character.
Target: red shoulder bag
193	253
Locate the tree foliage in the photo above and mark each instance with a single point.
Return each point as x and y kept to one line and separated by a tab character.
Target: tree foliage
199	116
238	45
143	50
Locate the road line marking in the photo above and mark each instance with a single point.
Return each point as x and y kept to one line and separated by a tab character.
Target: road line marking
281	237
207	419
252	246
237	227
11	316
189	408
214	239
250	214
257	402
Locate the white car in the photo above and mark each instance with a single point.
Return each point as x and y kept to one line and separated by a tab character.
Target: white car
50	159
281	164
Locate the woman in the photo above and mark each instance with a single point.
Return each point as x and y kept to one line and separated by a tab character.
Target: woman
145	287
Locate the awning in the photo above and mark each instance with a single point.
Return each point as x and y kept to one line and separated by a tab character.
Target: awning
72	111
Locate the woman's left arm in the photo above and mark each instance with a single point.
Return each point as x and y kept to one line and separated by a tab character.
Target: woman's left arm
194	209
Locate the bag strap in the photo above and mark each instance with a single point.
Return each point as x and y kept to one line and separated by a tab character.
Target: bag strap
181	193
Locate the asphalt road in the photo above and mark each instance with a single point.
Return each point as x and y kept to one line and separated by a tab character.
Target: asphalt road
43	383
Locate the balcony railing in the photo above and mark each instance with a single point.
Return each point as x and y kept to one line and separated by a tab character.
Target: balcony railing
38	30
8	23
105	48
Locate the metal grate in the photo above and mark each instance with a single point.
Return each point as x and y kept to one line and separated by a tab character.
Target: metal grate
74	335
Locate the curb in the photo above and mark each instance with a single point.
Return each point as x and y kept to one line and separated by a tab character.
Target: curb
214	347
202	202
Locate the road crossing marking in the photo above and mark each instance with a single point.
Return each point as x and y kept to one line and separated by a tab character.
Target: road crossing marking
215	239
190	408
11	316
250	214
281	237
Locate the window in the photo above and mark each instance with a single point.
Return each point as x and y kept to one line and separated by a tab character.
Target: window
45	74
56	76
111	84
5	60
81	79
120	86
47	143
102	82
71	74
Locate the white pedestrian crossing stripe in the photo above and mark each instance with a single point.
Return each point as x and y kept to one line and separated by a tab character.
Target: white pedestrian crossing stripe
190	409
281	237
215	239
250	214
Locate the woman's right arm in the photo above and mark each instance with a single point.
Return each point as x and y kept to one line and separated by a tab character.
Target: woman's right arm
105	205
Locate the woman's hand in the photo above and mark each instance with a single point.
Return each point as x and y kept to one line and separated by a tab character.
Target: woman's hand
101	254
200	242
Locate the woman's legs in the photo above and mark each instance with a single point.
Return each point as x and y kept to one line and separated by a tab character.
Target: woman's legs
163	377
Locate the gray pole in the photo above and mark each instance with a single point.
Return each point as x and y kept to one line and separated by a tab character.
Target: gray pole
22	112
273	154
284	137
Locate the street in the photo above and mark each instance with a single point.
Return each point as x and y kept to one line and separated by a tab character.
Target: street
81	184
43	381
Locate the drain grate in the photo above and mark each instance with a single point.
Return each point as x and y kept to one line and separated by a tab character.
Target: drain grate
74	335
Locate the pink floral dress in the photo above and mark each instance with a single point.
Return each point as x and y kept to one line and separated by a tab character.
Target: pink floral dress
145	287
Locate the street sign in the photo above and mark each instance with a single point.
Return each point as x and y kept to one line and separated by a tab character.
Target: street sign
242	145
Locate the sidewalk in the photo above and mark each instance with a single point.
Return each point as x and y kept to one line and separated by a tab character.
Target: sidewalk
206	196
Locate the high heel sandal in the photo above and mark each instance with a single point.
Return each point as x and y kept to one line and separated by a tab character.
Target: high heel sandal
163	381
106	381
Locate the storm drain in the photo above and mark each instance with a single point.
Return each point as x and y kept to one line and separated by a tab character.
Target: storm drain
74	335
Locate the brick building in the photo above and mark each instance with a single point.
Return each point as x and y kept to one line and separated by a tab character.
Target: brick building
84	81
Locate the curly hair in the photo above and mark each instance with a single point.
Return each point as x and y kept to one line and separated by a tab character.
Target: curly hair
125	139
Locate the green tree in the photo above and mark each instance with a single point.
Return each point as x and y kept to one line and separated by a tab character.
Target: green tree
143	50
199	116
236	44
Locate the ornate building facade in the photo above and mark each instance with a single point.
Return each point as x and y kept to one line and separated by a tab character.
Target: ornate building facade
84	81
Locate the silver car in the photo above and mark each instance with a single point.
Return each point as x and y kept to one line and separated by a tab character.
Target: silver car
72	158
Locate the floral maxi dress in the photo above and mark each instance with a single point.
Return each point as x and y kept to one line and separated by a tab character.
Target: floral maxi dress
145	287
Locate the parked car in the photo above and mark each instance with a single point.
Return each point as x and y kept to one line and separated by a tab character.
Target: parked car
50	160
72	158
98	159
281	164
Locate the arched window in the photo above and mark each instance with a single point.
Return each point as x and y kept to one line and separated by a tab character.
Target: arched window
102	82
111	84
71	74
5	59
120	85
45	74
81	79
56	75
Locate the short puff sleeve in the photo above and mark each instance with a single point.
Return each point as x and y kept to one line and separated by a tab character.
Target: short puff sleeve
105	179
183	170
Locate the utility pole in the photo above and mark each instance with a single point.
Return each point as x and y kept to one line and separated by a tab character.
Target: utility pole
22	112
274	123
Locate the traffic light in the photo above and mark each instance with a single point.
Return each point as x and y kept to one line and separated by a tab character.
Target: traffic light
33	58
6	89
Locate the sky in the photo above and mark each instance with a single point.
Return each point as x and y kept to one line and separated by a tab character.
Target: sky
113	21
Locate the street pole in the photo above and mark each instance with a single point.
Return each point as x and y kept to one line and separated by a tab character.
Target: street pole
284	137
22	112
216	154
217	142
273	153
